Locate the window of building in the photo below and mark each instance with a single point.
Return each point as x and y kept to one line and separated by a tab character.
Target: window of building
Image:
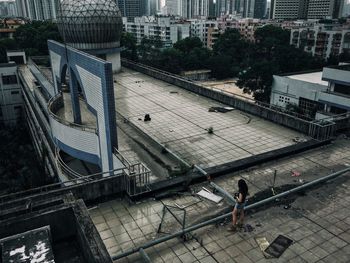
284	99
309	107
10	79
343	89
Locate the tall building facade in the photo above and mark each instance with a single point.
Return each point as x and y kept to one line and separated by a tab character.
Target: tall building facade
306	9
152	7
8	9
188	8
288	9
38	9
325	9
243	8
166	29
322	40
133	8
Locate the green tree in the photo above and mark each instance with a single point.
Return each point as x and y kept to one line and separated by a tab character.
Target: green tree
272	54
170	60
128	43
220	66
3	55
257	79
197	58
149	50
34	35
188	44
233	49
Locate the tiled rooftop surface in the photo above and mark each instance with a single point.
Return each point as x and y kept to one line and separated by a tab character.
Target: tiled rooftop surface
180	120
318	222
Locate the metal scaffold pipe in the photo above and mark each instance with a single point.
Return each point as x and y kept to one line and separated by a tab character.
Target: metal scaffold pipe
144	256
224	216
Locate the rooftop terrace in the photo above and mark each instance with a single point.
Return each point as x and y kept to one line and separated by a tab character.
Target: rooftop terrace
180	120
317	221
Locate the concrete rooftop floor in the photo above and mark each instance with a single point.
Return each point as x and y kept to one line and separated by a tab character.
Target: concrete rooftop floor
180	120
318	222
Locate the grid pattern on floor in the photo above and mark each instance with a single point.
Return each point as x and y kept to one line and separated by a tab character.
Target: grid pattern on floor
319	223
181	120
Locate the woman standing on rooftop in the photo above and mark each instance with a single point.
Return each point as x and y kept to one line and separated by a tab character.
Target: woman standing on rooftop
240	197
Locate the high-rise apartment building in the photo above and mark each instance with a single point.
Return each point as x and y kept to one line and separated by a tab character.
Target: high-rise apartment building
133	8
188	8
325	9
8	9
206	30
166	29
306	9
288	9
38	9
243	8
322	40
151	7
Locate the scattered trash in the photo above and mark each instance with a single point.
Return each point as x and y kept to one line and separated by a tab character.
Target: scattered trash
278	246
248	228
258	224
205	189
139	119
295	174
210	130
210	196
301	181
263	244
174	92
287	206
298	139
147	117
171	130
220	109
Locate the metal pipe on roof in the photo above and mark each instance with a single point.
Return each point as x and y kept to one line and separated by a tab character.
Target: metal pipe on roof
222	217
201	170
144	256
222	191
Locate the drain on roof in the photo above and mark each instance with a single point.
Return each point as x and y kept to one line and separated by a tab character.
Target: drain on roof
278	246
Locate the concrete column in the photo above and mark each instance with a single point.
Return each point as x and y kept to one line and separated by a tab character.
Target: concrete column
114	58
73	84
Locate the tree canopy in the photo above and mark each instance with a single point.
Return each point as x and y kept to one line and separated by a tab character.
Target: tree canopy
33	36
253	64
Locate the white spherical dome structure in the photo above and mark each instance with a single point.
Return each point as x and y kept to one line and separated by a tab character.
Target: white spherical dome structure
90	24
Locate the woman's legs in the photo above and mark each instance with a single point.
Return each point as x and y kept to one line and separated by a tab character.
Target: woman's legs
241	217
234	217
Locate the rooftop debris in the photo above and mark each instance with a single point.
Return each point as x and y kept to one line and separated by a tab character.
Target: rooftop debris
220	109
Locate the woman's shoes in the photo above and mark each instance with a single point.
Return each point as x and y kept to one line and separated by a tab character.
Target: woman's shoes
232	229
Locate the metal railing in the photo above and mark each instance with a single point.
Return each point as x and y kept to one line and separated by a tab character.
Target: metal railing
61	185
56	103
136	176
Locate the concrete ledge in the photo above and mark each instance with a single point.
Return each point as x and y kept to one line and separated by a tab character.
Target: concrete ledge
178	183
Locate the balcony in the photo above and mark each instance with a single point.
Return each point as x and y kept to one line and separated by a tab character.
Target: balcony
79	141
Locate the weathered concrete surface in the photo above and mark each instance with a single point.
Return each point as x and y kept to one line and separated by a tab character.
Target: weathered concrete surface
74	236
244	105
318	222
180	122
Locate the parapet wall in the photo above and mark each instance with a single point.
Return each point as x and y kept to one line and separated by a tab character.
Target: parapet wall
289	121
